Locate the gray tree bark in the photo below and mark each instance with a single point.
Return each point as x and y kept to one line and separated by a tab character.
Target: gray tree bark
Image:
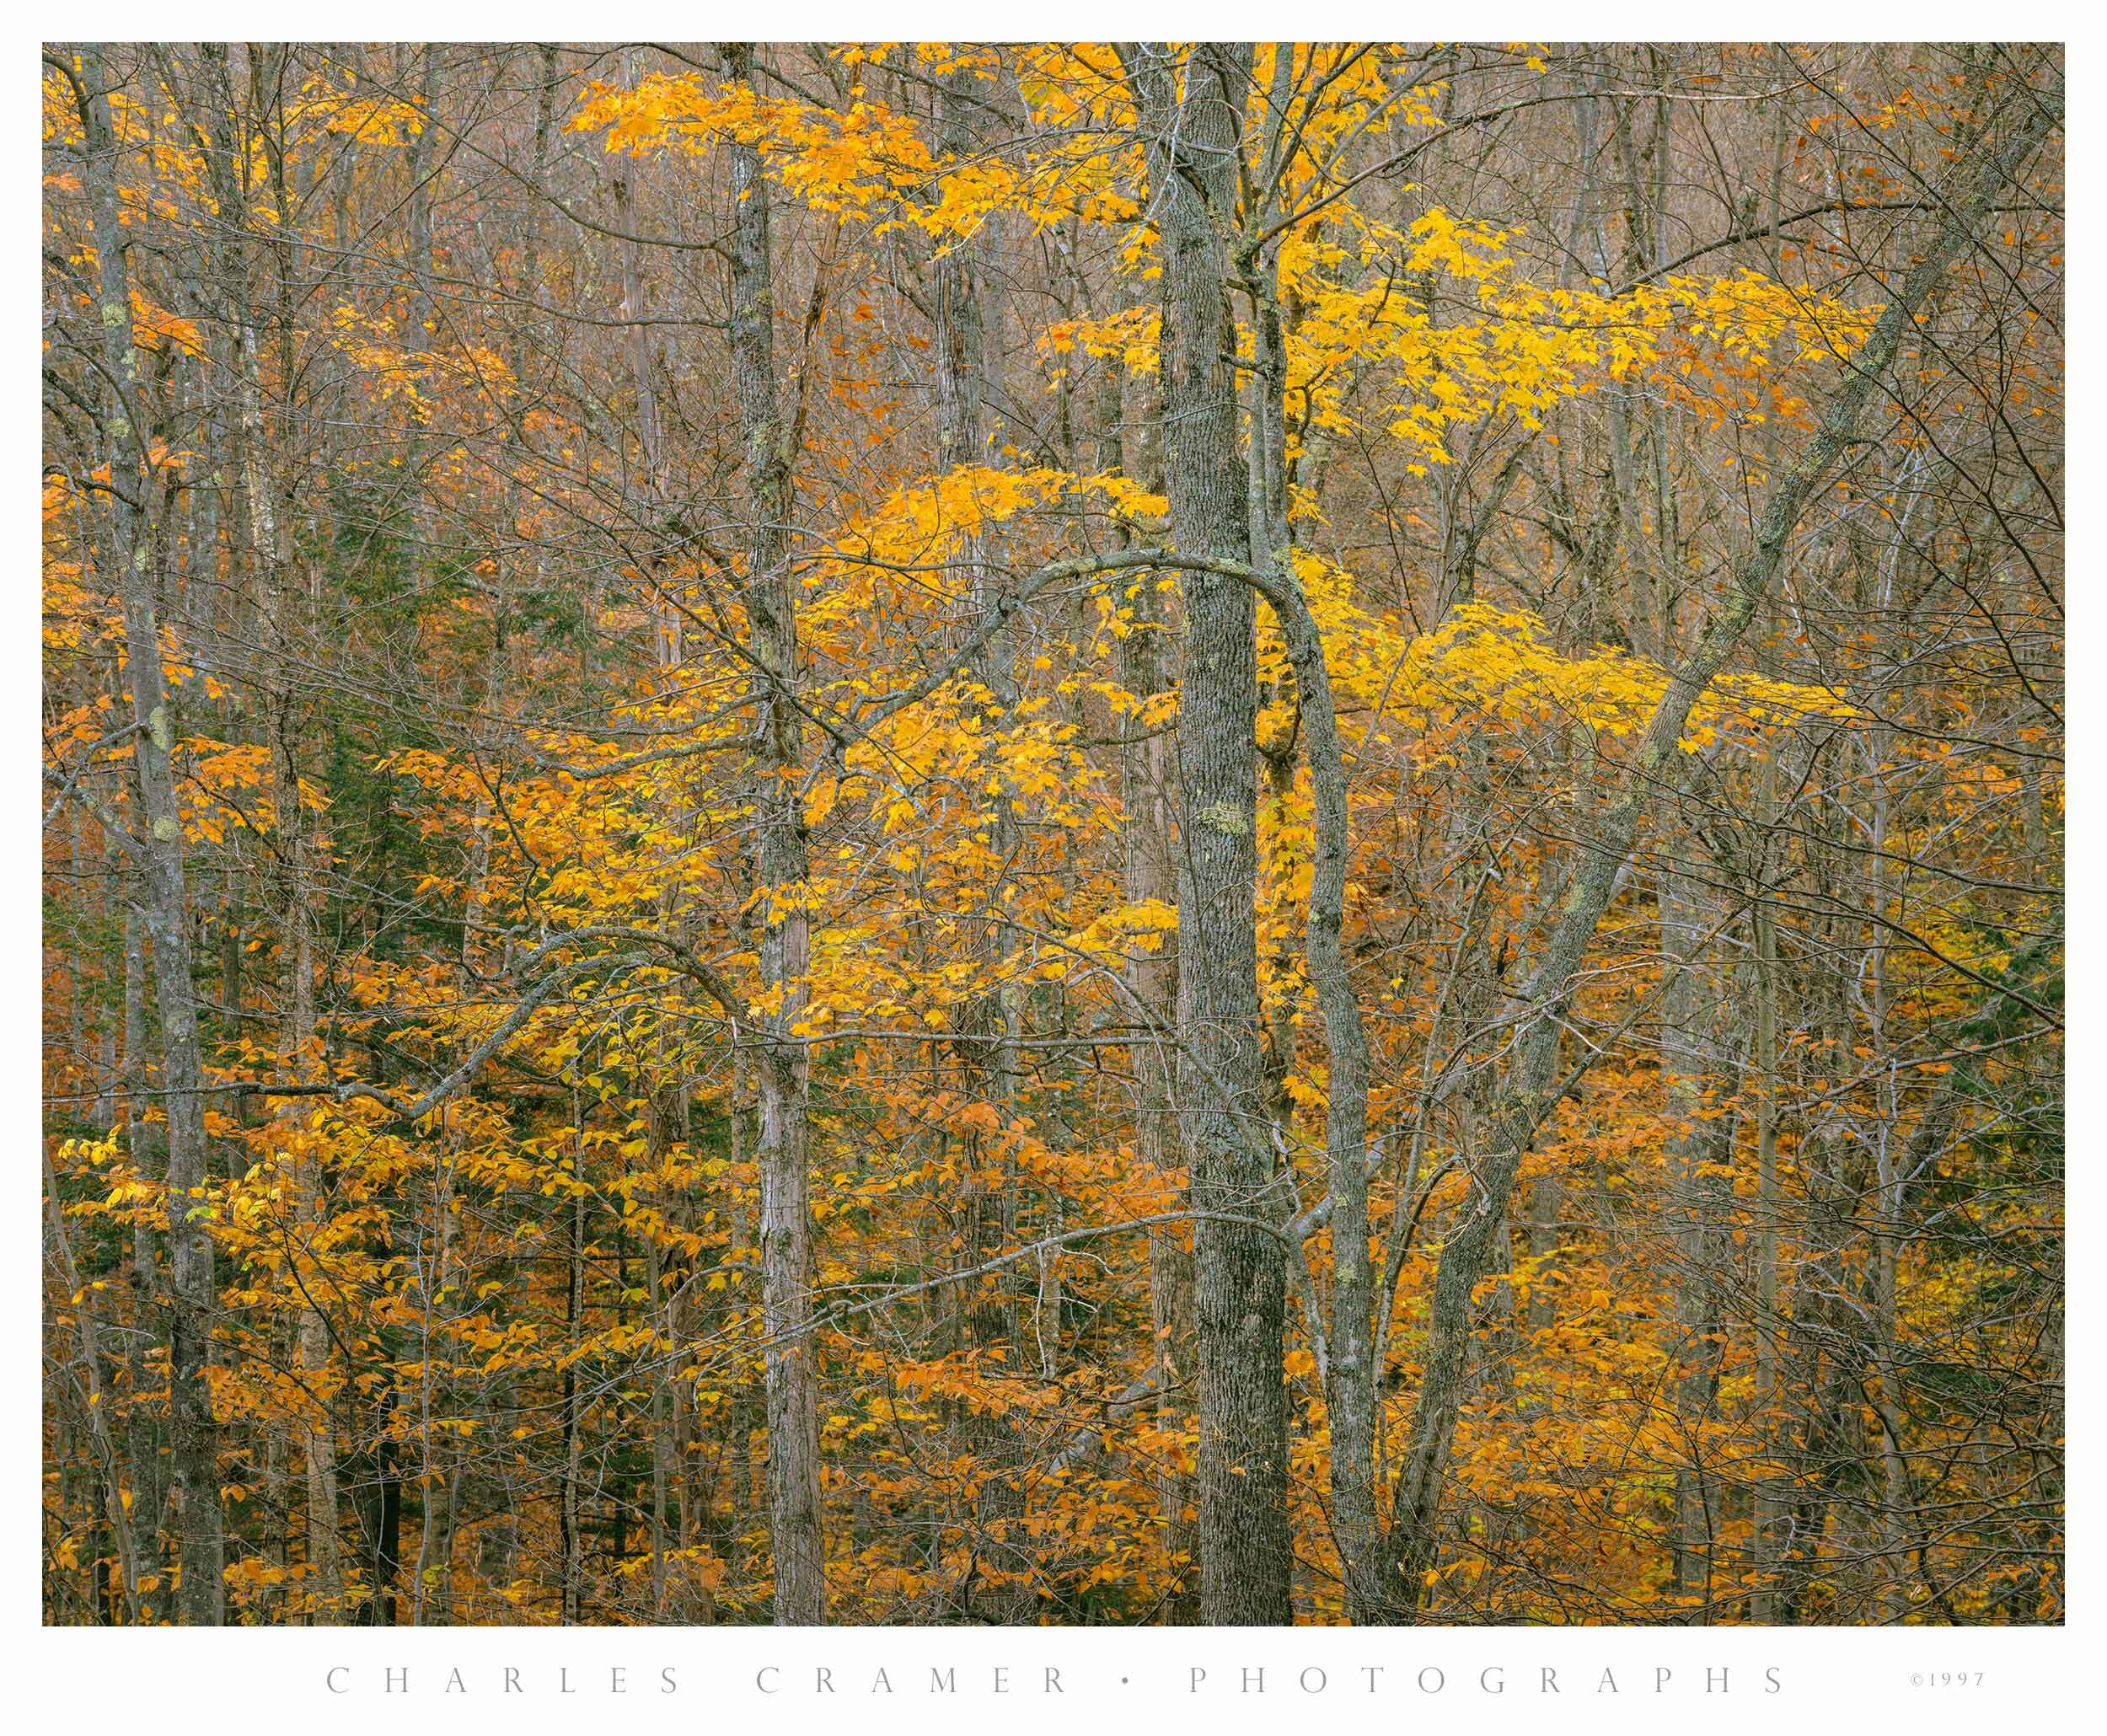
795	1512
193	1435
1246	1553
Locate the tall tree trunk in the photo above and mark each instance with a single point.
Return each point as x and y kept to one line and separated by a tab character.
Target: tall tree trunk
1694	1069
1346	1354
1763	1519
266	532
148	1488
193	1433
1195	125
571	1512
795	1511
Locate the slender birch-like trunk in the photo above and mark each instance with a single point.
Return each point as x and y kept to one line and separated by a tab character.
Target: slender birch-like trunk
165	900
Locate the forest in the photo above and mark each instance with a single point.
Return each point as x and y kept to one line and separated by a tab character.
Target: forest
1070	834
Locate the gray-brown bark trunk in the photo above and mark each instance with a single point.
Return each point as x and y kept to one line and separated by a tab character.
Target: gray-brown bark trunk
190	1291
1246	1553
782	1069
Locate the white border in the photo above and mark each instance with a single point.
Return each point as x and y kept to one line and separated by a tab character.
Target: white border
63	1678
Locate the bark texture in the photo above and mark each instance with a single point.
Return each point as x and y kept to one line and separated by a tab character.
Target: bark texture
194	1457
1195	122
784	1068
